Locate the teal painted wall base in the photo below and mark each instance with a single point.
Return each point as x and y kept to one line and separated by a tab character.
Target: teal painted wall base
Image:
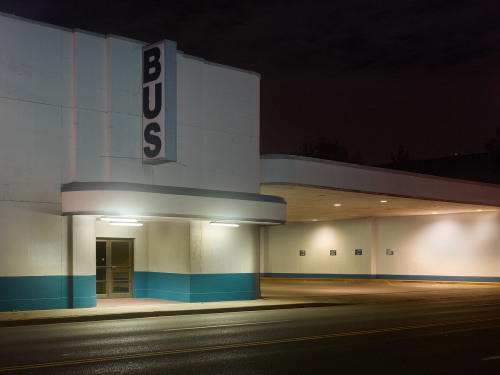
477	279
46	292
65	292
84	291
197	287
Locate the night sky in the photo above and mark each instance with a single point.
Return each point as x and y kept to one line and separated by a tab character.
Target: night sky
424	74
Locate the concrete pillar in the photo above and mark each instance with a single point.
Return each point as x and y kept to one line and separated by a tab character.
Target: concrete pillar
373	247
81	246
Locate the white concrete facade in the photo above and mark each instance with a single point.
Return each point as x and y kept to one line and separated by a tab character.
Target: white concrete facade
459	247
463	246
71	152
71	149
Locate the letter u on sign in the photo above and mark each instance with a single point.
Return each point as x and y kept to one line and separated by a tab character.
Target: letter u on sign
159	102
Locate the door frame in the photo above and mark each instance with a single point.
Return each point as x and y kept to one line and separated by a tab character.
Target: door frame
109	294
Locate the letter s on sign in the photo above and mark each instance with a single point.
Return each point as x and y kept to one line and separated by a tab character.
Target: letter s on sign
152	140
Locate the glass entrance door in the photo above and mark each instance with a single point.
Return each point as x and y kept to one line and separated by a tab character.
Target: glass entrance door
114	268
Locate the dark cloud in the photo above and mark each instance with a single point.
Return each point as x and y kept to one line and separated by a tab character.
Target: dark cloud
370	73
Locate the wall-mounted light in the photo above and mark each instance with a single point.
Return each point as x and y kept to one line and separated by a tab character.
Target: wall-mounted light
224	224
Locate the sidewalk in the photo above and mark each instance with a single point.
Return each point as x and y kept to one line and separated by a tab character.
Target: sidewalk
277	294
146	307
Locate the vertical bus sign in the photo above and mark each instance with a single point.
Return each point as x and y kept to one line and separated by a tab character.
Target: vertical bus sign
159	102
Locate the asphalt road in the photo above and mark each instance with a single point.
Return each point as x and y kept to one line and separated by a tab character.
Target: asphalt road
448	333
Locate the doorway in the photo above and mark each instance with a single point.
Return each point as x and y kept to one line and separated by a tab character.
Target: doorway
114	268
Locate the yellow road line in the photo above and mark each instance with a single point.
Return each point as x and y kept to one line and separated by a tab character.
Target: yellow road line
243	345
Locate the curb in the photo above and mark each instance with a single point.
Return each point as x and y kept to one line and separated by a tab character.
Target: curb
154	314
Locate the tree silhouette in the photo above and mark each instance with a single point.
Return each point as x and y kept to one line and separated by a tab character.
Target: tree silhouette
493	148
401	160
329	149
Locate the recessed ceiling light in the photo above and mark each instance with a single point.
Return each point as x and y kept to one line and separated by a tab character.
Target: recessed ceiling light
337	205
315	219
434	213
479	210
384	201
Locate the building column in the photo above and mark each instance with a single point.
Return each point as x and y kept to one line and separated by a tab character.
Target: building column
373	247
82	277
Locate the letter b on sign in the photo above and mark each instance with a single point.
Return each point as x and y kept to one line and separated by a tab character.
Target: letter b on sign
159	102
151	66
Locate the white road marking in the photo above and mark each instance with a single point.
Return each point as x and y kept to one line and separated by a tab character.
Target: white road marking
225	325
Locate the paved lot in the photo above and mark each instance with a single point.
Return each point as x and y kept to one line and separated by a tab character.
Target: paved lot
276	294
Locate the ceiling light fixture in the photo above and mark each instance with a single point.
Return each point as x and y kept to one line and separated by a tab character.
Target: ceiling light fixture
337	205
119	220
384	201
126	224
223	224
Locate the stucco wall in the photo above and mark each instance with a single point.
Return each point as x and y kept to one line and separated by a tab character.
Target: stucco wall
224	249
35	96
70	104
168	247
217	116
449	245
436	247
71	111
33	238
283	243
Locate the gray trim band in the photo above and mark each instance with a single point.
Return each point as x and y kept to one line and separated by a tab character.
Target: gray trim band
174	190
170	215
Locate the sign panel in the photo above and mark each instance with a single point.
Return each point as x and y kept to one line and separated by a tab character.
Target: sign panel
159	102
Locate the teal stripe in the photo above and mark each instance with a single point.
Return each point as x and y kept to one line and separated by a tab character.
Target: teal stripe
84	294
483	279
46	292
140	284
319	275
477	279
197	287
225	287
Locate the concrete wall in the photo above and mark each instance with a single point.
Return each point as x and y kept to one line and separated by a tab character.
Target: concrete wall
192	261
224	249
465	245
70	104
460	247
197	262
35	100
218	118
283	243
